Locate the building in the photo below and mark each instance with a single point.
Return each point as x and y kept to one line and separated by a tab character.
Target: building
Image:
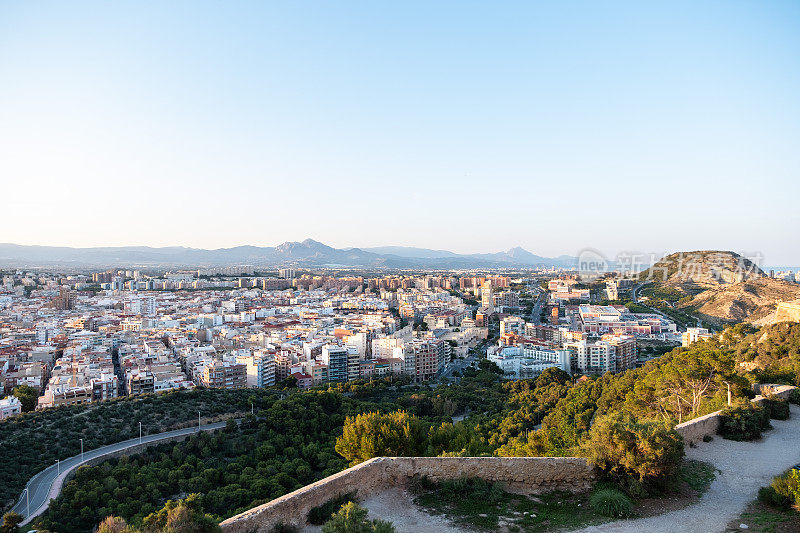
692	335
287	273
224	375
10	406
336	359
518	362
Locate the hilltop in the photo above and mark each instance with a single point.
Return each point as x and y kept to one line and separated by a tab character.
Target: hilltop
693	271
719	286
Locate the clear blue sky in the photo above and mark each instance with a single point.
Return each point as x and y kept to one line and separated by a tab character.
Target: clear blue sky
460	125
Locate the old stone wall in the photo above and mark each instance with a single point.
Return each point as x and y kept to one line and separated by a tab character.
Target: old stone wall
531	475
694	430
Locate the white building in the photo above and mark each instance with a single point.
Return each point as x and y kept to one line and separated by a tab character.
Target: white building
518	362
10	406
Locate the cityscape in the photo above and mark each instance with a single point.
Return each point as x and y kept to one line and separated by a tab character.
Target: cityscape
307	267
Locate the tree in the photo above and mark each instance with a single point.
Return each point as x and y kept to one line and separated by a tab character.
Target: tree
11	521
27	395
369	435
630	451
114	524
184	516
352	518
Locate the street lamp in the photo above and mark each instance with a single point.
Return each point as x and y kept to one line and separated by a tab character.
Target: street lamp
27	502
58	466
81	450
198	421
140	432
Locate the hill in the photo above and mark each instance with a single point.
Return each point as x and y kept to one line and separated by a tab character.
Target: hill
692	271
719	287
308	253
751	301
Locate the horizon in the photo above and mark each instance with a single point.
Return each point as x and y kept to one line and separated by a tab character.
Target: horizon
453	126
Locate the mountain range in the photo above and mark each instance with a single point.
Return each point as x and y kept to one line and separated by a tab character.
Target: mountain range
308	253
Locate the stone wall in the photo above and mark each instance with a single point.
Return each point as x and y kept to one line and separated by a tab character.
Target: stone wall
532	475
529	475
694	430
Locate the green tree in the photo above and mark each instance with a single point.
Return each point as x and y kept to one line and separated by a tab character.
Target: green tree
631	451
371	435
27	395
352	518
11	521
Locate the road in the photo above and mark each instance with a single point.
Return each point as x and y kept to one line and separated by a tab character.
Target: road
536	312
46	485
636	289
743	467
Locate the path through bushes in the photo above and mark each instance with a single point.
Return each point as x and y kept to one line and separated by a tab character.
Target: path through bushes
743	467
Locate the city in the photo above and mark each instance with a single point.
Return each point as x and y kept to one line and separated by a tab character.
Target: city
399	267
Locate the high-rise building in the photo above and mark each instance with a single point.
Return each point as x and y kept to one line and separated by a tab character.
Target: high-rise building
336	359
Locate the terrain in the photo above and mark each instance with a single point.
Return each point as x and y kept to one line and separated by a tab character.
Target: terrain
718	287
306	253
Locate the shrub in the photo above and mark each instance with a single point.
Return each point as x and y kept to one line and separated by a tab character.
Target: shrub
611	502
707	438
787	488
777	409
769	496
352	518
794	396
321	514
744	422
644	454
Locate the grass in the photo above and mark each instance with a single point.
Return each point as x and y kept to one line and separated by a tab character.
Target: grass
698	475
762	518
485	506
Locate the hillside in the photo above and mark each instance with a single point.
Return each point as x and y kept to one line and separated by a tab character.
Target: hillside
693	271
718	286
752	301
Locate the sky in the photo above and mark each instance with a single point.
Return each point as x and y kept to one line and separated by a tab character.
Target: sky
467	126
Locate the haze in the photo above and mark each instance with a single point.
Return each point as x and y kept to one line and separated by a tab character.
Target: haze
454	125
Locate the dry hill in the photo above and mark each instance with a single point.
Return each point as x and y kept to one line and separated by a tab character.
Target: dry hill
720	286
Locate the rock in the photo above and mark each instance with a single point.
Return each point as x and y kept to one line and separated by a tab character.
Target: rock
744	526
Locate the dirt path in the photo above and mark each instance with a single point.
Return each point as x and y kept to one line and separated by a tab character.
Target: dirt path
397	506
744	468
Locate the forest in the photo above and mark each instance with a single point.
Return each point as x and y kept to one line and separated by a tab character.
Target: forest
291	442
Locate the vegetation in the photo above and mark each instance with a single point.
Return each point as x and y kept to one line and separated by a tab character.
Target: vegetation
27	395
352	518
288	445
611	502
370	435
183	516
41	437
322	513
783	492
620	422
10	522
744	422
640	455
475	503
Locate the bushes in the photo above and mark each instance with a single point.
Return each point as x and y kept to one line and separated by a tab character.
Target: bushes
744	422
371	435
352	518
637	454
783	492
777	409
611	503
321	514
794	396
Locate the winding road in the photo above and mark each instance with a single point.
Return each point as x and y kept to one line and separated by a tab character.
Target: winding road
46	485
